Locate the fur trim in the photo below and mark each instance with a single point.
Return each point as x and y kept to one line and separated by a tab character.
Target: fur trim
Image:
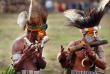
37	14
22	19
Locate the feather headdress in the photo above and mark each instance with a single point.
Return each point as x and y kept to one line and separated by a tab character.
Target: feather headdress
80	20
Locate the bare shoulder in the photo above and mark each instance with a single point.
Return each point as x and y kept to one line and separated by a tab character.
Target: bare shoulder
73	43
18	45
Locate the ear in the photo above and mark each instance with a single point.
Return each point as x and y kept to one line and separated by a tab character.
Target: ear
22	19
24	27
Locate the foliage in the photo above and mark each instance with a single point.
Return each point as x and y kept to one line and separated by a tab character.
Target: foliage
9	69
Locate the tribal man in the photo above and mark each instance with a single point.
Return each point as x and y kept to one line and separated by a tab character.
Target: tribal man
27	50
84	58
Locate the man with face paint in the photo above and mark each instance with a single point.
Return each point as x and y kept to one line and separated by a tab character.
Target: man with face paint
86	59
27	50
91	36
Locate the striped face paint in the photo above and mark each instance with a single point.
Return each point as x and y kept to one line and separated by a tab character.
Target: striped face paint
95	28
95	33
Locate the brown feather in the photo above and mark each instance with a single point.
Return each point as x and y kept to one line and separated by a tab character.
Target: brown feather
89	21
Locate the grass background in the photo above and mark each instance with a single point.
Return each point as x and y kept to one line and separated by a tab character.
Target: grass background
58	33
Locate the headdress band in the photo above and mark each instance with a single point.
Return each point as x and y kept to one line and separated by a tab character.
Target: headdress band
38	28
90	29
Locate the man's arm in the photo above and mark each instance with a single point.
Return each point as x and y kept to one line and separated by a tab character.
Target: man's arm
40	59
100	60
42	62
63	56
18	59
19	56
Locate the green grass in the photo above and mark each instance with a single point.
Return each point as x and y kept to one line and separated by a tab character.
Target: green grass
59	34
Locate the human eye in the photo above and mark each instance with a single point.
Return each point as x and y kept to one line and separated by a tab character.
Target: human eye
90	32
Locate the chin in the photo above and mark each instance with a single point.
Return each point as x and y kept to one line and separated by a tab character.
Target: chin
91	41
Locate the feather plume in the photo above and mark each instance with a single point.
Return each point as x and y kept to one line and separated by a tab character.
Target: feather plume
22	19
30	10
81	20
73	14
89	21
102	5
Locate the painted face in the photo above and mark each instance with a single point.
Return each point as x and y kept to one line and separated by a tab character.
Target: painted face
33	34
91	36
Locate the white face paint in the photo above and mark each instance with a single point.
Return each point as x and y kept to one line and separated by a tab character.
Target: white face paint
94	34
91	39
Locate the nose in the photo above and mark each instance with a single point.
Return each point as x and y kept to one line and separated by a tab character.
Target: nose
94	35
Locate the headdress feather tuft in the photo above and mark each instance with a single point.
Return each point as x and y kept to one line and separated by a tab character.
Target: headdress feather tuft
30	10
80	20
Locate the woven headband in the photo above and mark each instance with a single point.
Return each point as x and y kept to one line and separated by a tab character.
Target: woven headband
38	28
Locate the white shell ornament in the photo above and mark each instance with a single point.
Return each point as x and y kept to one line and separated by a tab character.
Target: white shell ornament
85	60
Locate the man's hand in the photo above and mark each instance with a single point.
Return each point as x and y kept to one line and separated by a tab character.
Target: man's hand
29	51
88	49
63	58
39	52
63	53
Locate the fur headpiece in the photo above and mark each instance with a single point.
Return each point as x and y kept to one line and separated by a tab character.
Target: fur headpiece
80	20
37	16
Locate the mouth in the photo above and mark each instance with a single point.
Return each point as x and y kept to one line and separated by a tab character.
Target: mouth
96	39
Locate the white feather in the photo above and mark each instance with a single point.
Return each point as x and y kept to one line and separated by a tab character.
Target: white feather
22	19
102	5
30	10
72	14
27	41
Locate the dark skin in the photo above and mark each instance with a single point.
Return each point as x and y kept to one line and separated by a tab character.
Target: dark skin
30	57
80	55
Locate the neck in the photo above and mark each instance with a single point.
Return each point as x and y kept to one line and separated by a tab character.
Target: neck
30	37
